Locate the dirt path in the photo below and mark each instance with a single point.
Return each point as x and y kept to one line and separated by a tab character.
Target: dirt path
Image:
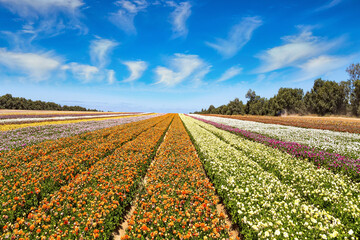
121	232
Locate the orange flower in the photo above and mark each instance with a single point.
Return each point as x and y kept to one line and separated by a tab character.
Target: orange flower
144	228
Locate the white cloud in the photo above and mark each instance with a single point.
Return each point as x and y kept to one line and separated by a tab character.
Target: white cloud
85	73
37	66
88	73
230	73
179	17
318	66
47	16
238	36
181	68
328	5
33	8
124	17
111	76
99	51
136	69
295	51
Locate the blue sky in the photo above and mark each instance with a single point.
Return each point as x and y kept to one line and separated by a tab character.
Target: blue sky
171	56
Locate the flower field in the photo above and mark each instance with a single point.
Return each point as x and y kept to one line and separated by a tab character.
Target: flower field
178	201
58	120
330	160
165	176
263	205
346	144
21	137
28	186
339	195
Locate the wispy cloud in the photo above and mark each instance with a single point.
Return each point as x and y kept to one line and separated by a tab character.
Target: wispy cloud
136	69
111	76
230	73
295	50
318	66
85	73
36	66
182	67
328	5
100	50
179	17
47	17
238	36
99	54
124	17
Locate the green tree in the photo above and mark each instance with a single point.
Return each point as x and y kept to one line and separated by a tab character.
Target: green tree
354	73
326	97
236	107
211	109
289	100
252	100
355	98
7	101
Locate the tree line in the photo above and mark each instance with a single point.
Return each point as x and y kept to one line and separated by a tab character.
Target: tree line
325	97
7	101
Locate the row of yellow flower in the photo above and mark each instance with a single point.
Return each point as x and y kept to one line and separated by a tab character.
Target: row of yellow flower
8	127
92	204
23	187
178	201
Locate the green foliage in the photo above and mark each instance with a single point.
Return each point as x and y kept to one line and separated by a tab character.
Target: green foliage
7	101
355	98
354	92
290	99
325	97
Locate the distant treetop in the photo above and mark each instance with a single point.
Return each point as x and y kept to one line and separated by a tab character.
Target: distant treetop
7	101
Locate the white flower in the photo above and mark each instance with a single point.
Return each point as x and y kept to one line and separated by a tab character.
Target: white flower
277	232
286	234
351	232
334	234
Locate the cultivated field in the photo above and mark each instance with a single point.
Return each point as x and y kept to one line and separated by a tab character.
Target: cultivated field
176	176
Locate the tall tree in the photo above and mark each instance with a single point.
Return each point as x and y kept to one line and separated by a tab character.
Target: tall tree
355	98
354	73
325	97
290	99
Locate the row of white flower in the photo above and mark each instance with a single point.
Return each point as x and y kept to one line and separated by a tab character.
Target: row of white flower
343	143
336	193
258	201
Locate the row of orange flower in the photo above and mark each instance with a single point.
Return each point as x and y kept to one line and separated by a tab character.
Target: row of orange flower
178	201
25	187
326	123
17	158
